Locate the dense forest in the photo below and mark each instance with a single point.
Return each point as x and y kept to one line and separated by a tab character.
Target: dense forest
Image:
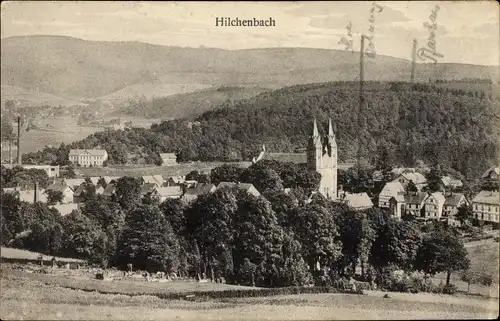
435	124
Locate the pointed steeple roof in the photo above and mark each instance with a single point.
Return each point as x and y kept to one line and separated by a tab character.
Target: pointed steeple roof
315	129
330	128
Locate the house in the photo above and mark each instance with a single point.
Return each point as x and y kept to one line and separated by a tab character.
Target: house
110	191
451	204
392	189
417	178
397	205
249	188
79	194
448	182
168	159
152	179
491	174
94	180
168	192
52	171
67	191
65	209
73	183
358	201
88	157
414	204
485	206
99	190
148	188
192	193
175	180
434	204
109	179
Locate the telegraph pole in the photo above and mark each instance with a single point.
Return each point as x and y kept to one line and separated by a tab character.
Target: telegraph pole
361	98
413	63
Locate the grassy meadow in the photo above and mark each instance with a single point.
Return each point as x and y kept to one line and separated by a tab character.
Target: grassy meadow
25	298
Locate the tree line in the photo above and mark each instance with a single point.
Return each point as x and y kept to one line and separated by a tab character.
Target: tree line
281	238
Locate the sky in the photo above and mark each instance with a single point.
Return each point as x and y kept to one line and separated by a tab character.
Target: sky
466	31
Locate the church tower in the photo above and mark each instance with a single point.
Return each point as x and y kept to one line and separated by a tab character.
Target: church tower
323	159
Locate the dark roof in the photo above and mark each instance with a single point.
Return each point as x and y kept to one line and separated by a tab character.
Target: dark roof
147	188
416	198
453	199
109	190
297	158
200	189
61	187
79	190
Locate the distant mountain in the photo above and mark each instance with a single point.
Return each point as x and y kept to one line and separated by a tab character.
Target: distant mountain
189	104
25	97
77	68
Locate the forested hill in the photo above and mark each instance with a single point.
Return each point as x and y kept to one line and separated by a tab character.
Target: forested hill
454	127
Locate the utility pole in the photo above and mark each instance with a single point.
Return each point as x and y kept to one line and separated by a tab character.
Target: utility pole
413	62
19	140
361	98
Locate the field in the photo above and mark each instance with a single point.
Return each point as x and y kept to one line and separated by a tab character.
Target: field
484	257
25	298
54	132
12	253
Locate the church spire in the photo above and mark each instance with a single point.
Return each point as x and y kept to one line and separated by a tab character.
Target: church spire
315	129
330	128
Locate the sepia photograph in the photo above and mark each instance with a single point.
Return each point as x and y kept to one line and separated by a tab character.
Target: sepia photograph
237	160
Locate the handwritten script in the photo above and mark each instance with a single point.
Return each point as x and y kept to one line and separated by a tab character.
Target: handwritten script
347	42
429	52
370	51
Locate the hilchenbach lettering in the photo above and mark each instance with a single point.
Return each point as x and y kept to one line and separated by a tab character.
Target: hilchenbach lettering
237	22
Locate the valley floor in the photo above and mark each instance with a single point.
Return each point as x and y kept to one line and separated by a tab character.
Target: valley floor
23	297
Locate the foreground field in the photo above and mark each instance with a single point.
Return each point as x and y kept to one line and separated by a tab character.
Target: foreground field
25	298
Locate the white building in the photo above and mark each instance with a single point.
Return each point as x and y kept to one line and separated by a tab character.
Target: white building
88	157
486	206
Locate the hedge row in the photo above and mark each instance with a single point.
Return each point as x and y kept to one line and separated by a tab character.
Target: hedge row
204	295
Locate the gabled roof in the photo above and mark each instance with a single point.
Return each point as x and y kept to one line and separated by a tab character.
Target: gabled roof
241	186
109	190
297	158
416	198
93	152
153	179
450	181
109	179
74	182
454	199
487	197
94	180
170	191
439	197
99	190
358	200
177	179
201	189
59	187
29	196
65	209
494	169
79	190
168	155
394	189
147	188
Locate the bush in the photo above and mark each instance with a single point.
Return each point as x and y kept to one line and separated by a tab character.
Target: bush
449	289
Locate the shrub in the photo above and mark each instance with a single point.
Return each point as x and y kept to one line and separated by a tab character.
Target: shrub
449	289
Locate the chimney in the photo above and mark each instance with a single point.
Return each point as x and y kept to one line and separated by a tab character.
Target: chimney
19	141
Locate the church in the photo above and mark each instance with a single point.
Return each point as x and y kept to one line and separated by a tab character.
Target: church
322	158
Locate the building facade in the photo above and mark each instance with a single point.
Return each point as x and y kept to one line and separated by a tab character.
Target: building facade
322	158
88	157
485	206
168	159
